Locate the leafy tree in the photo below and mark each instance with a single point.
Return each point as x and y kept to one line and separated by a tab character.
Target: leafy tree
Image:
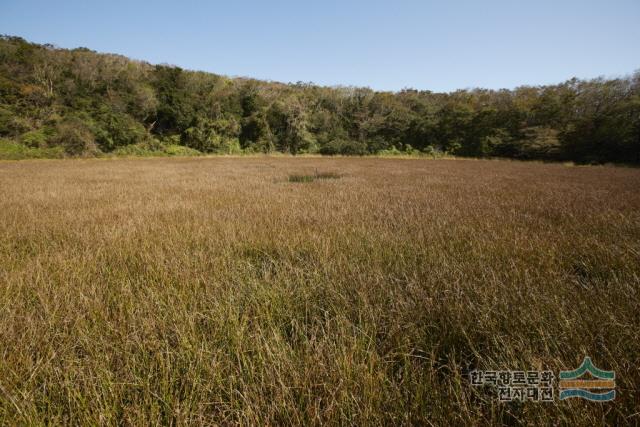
115	130
175	111
107	102
540	142
210	136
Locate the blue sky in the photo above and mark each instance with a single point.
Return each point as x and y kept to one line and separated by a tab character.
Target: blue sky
386	45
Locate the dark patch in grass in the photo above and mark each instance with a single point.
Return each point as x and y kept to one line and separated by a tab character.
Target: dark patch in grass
316	175
327	175
301	178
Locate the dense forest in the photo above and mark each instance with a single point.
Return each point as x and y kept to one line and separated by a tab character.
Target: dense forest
79	102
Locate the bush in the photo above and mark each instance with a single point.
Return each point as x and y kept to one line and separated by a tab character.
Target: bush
11	150
12	124
76	137
212	136
378	145
433	151
155	148
138	150
344	147
117	130
408	150
393	151
180	150
36	138
454	146
6	120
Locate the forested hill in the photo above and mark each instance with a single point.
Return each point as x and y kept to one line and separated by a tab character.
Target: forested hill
79	102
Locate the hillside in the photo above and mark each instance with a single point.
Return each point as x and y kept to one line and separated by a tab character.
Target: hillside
58	102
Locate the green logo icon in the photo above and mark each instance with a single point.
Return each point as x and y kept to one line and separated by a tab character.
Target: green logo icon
571	385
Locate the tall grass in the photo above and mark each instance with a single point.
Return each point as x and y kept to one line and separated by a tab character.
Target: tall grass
296	177
214	291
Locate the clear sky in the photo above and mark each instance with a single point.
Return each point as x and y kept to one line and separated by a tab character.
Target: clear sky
387	45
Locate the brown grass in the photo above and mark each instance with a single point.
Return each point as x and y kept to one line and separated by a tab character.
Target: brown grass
215	291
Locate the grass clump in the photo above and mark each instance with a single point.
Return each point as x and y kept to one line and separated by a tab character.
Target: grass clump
327	175
315	176
301	178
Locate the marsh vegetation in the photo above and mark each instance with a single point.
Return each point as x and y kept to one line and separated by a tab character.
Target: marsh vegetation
215	291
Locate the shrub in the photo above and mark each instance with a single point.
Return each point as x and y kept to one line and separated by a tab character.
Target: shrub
344	147
11	150
76	137
393	151
212	136
232	146
180	150
12	124
155	148
454	146
433	151
117	130
138	150
378	144
6	120
36	138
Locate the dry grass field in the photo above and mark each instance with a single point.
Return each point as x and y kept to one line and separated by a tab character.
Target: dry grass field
230	290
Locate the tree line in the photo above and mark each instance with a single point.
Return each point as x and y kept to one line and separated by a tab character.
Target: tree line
89	103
